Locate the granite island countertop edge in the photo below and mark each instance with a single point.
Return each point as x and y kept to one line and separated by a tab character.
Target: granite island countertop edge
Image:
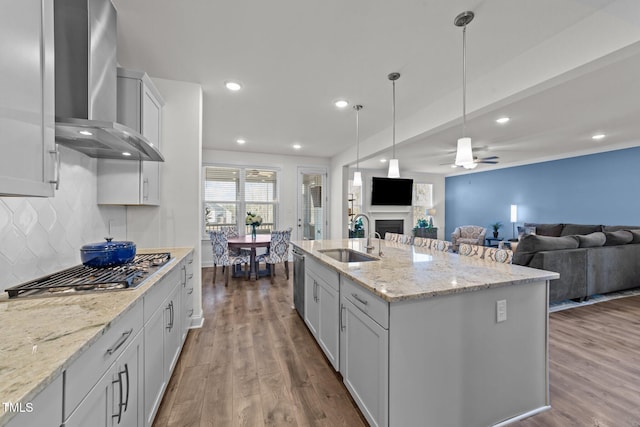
394	254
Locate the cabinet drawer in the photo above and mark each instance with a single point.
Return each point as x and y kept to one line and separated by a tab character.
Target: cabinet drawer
328	276
374	306
84	373
161	290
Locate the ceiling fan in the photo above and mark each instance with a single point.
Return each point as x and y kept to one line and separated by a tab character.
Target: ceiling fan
491	160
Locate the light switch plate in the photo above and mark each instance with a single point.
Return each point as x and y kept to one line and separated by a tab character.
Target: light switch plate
501	310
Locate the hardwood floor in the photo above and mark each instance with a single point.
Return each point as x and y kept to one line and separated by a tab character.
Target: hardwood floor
594	364
254	363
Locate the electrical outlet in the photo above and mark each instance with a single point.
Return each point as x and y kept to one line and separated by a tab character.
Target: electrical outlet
501	310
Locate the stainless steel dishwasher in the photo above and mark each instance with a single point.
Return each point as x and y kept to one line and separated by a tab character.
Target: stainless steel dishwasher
298	280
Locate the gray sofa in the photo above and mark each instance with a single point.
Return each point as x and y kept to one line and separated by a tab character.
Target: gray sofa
591	259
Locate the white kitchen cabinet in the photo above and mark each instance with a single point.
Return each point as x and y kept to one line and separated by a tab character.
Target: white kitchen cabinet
364	351
322	303
27	104
162	339
45	410
116	400
126	182
187	296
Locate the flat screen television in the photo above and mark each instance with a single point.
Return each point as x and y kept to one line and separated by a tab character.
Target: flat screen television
391	191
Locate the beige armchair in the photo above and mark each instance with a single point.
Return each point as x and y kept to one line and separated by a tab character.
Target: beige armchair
471	234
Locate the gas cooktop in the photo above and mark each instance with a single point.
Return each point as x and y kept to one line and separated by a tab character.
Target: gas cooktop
81	278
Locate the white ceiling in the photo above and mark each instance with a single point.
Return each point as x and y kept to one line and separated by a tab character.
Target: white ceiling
561	69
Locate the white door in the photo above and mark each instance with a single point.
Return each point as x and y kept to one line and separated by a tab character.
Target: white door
312	204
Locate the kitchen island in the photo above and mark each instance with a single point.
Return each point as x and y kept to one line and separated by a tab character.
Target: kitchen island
427	338
78	337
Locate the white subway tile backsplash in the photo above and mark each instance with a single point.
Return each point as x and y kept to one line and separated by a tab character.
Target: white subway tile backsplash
39	236
25	218
5	217
13	243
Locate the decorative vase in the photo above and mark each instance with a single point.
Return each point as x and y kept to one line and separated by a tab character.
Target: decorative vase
495	234
253	232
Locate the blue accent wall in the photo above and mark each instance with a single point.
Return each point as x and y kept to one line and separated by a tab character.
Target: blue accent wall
599	188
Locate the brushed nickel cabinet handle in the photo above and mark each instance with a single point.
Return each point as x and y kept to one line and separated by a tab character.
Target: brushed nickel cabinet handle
359	299
56	181
124	337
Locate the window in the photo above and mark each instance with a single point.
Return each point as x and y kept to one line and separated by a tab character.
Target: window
229	193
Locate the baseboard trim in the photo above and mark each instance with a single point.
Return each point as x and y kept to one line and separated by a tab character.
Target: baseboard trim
523	416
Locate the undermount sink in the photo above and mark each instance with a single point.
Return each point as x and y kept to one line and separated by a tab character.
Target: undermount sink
347	255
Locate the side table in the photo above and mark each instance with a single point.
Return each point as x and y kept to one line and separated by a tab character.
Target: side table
493	241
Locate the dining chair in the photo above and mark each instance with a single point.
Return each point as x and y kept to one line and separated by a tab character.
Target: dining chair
433	244
278	252
222	257
405	239
392	237
484	253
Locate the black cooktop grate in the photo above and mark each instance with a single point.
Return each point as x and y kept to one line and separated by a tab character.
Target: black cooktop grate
83	278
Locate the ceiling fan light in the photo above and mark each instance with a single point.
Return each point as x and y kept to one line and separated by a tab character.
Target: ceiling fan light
470	166
357	179
394	169
464	155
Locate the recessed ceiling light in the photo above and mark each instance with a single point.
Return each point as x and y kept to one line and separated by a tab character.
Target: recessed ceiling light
383	160
341	103
234	86
598	136
297	146
85	132
126	153
240	141
503	120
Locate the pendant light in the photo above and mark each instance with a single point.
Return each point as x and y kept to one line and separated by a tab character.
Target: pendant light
357	176
394	168
464	153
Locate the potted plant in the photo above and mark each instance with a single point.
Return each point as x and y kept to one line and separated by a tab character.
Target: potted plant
496	226
358	229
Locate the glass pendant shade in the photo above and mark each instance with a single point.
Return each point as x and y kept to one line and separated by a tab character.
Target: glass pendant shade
357	176
357	179
394	169
464	155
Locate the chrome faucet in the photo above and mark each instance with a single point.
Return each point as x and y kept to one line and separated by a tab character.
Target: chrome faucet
355	218
379	243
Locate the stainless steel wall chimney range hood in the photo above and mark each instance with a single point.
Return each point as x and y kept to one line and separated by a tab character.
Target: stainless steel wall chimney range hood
86	84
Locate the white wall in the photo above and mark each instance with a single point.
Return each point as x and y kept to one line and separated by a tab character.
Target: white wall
288	177
175	223
40	236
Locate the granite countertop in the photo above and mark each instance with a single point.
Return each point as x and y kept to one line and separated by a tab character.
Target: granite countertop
406	272
42	336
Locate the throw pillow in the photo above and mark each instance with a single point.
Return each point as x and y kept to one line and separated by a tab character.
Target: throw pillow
527	229
621	237
553	230
530	244
592	240
636	235
572	229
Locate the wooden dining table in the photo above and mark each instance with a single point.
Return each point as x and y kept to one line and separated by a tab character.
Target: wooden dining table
248	242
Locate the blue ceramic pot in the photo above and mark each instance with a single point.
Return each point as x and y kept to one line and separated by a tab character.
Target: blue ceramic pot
107	253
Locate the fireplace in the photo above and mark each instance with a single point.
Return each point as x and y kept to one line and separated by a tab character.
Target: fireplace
389	226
